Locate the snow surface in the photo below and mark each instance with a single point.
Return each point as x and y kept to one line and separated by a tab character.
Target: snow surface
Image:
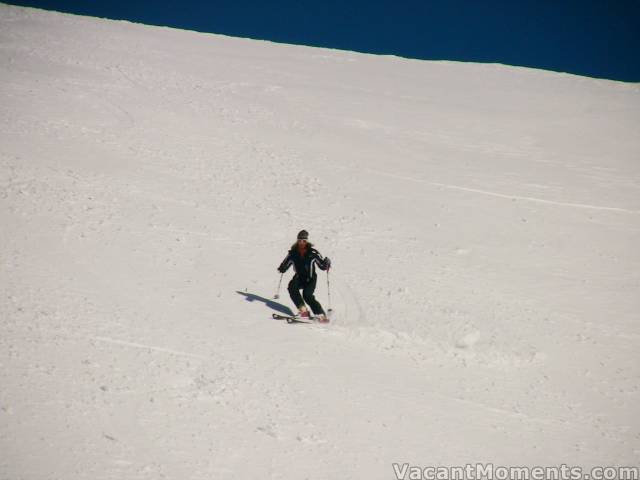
483	222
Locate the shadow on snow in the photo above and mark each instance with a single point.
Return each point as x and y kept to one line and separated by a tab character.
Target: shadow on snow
278	307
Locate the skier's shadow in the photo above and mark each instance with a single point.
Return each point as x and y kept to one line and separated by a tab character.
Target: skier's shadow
278	307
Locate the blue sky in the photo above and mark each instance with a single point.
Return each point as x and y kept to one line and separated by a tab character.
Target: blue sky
592	38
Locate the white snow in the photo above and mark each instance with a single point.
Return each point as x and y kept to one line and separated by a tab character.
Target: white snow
483	222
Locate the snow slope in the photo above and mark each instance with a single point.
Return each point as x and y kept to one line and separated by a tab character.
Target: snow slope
483	222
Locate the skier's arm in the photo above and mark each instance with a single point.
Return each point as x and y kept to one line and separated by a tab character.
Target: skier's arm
286	263
324	263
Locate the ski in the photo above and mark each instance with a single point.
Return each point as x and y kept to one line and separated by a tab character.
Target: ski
298	319
277	316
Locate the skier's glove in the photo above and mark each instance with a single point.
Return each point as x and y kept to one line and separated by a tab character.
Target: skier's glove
327	263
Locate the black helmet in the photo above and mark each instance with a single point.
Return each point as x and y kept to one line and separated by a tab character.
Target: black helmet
303	235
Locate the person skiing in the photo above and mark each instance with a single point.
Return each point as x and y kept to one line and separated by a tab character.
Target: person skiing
304	257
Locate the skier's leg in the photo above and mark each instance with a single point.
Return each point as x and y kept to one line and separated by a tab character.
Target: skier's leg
294	292
308	296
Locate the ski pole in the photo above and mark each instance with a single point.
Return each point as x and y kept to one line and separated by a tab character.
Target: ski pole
277	295
329	291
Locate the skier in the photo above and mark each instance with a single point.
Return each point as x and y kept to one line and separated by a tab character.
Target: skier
304	258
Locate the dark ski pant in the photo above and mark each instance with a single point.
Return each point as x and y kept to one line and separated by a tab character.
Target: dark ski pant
295	285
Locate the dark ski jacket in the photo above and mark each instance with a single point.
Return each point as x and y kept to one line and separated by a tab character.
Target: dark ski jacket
305	266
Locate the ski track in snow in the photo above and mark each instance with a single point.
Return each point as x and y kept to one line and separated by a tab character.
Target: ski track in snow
502	195
146	347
